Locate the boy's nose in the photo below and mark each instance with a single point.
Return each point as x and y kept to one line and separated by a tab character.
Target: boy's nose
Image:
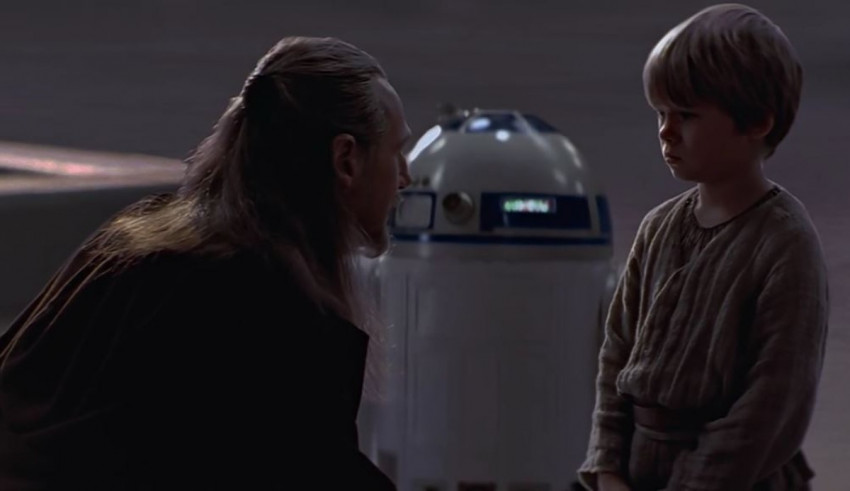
666	132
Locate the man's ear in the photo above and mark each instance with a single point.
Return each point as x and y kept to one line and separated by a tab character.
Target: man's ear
760	130
347	159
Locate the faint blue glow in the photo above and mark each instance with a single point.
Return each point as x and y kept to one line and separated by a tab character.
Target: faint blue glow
503	135
479	124
423	143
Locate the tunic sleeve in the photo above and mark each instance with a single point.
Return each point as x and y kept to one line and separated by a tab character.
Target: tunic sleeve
612	418
765	426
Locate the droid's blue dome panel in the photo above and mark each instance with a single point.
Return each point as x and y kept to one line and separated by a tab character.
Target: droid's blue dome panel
486	123
500	177
604	212
453	124
538	124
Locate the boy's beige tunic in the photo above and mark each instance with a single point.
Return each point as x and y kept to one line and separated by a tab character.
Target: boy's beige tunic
738	330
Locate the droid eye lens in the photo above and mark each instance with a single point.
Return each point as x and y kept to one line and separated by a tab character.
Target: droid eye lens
451	201
458	207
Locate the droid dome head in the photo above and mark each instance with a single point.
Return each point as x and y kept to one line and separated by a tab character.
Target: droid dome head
500	178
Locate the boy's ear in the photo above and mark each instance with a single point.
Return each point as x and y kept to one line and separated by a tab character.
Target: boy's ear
759	131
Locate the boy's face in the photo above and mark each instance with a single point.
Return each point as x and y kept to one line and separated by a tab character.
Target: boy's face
703	144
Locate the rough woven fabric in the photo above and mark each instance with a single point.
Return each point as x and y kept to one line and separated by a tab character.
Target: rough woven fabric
737	330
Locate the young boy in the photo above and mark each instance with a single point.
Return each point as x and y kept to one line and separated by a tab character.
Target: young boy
715	338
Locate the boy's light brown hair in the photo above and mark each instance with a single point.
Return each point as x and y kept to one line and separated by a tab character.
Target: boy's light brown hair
734	57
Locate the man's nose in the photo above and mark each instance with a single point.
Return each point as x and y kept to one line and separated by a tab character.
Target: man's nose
404	176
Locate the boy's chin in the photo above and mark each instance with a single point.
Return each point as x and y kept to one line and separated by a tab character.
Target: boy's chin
680	175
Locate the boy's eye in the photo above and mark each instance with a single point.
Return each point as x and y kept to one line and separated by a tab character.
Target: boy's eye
687	115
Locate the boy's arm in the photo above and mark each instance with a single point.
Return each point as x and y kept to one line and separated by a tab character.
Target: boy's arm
612	424
766	425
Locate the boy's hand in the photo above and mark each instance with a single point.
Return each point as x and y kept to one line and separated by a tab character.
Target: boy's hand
611	482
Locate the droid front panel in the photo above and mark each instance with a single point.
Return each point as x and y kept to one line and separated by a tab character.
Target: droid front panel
490	370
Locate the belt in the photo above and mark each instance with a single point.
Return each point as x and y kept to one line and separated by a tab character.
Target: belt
659	423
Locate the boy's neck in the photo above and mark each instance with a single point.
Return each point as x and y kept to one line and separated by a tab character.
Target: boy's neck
724	200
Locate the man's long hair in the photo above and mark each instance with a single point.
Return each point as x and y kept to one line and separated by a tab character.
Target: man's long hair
264	183
264	179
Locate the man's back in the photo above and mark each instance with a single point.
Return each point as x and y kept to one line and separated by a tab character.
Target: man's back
184	373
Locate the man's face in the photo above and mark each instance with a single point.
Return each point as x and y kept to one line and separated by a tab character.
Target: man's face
384	173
